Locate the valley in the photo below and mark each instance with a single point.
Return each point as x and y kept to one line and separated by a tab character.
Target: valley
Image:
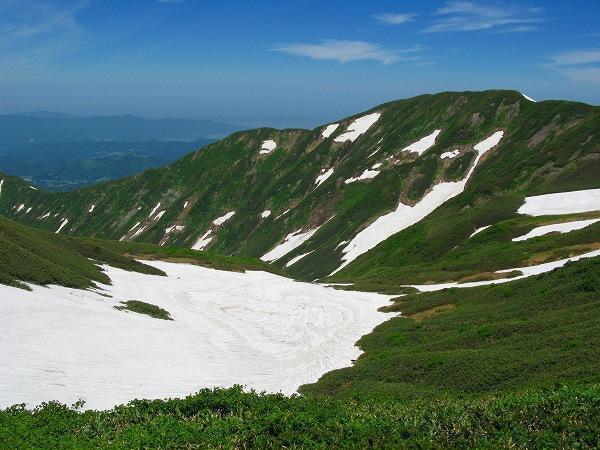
438	250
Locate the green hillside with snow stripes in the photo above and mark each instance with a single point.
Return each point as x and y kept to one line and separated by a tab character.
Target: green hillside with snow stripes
381	195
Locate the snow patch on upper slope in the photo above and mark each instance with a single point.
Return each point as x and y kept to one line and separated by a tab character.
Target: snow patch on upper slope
203	241
154	209
404	216
358	127
450	155
325	173
367	174
266	213
329	129
174	229
561	203
528	98
255	329
1	183
564	227
267	147
526	272
221	220
423	144
291	241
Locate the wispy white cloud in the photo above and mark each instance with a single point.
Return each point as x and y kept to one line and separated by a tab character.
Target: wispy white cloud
584	74
471	16
394	18
571	57
348	51
579	65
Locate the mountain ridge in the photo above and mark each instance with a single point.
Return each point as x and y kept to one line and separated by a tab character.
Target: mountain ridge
320	191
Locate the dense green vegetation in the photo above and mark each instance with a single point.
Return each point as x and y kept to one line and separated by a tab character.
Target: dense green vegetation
547	147
527	333
37	256
144	308
560	417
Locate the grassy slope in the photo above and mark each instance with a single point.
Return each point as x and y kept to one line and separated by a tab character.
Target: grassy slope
231	175
36	256
528	333
40	257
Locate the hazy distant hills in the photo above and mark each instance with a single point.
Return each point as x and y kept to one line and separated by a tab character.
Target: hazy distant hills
60	151
43	126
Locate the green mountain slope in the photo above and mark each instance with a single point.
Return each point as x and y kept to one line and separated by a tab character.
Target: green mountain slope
36	256
546	147
524	334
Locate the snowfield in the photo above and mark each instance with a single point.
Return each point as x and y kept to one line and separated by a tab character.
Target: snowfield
404	215
329	129
267	147
564	227
358	127
525	272
423	144
562	203
256	329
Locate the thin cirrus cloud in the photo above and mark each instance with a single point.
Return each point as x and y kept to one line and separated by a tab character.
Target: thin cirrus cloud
471	16
348	51
394	18
578	65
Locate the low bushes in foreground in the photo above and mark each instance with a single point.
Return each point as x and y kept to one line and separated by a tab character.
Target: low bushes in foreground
563	416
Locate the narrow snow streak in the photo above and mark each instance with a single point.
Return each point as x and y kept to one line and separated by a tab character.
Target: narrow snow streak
329	129
423	144
323	177
154	209
1	183
479	230
255	329
562	203
564	227
91	208
174	229
367	174
358	127
405	216
64	222
291	241
526	272
295	259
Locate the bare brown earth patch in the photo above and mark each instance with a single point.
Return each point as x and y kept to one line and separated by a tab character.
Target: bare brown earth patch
489	276
428	313
562	253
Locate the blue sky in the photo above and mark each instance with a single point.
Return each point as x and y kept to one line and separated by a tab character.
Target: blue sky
287	63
